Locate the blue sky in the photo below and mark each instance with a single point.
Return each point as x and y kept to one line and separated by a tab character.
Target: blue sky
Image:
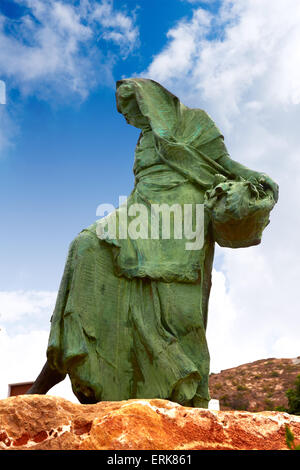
64	149
69	154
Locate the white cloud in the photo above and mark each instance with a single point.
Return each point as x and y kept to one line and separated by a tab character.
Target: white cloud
242	67
24	329
222	315
253	54
177	58
61	50
15	304
59	46
24	332
22	357
117	26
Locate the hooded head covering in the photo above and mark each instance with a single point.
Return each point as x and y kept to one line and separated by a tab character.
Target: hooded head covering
171	121
160	107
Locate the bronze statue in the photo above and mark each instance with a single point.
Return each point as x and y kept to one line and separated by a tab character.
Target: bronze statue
131	312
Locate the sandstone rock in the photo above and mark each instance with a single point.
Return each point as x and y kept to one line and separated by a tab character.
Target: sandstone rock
48	422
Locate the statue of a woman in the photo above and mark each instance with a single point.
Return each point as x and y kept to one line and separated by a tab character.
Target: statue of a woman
131	314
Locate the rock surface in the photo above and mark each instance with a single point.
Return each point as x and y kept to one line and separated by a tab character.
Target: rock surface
48	422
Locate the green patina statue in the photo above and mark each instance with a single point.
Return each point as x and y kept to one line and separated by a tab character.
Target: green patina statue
131	312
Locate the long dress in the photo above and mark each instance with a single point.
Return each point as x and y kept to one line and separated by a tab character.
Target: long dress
131	315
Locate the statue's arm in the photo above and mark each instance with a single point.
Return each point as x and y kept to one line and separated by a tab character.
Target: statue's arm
238	169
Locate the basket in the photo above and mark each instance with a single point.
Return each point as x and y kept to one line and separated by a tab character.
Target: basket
239	212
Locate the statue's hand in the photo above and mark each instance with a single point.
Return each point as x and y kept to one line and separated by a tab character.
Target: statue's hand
268	183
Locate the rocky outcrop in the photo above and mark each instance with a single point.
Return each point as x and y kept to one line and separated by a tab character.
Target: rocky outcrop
48	422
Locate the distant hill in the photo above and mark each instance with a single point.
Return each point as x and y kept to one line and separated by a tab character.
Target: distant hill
257	386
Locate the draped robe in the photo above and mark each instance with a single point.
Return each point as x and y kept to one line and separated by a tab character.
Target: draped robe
131	315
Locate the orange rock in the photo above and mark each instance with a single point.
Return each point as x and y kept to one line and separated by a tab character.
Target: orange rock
48	422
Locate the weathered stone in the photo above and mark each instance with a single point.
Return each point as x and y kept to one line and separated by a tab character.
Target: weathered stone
48	422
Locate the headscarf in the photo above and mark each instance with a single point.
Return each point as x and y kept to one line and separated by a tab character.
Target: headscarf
186	139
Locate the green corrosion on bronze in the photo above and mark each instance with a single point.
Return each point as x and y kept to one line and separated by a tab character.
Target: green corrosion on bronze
131	314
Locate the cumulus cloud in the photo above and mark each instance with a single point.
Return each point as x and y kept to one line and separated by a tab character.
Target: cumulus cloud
22	357
241	65
253	57
60	50
177	57
117	27
24	331
15	304
61	45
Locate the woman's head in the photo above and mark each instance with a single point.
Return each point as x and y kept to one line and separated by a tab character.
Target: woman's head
128	105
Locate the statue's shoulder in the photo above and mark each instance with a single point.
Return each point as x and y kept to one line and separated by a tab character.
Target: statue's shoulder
195	113
195	125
